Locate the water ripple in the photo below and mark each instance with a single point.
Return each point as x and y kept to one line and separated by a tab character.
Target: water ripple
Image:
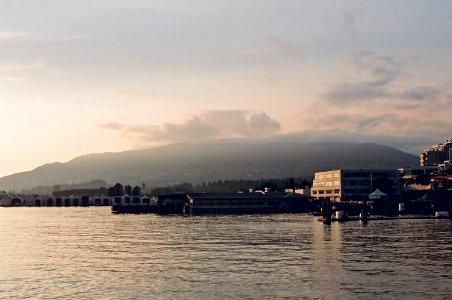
88	253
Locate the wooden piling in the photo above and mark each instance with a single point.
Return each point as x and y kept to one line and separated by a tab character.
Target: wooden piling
364	216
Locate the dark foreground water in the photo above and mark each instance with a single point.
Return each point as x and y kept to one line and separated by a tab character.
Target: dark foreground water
89	253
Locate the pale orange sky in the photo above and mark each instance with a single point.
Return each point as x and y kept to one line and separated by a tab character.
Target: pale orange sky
79	77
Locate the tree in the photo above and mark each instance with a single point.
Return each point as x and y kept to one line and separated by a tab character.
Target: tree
292	184
136	191
111	191
128	189
118	189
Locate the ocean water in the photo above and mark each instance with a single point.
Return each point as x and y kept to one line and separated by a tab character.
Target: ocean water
89	253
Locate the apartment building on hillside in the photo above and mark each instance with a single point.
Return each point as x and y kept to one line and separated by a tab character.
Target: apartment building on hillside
436	155
349	185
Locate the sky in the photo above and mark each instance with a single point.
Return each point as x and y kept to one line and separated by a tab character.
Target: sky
93	76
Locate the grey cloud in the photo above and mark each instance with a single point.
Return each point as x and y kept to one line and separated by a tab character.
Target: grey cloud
408	143
210	125
112	126
369	123
383	69
284	46
358	122
449	98
372	123
420	93
356	92
349	23
194	129
274	46
381	72
380	124
260	124
240	123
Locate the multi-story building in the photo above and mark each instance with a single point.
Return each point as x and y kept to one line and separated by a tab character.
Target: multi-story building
436	155
348	185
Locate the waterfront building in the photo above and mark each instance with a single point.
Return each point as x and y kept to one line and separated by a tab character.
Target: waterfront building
349	185
218	203
47	200
416	171
445	168
436	155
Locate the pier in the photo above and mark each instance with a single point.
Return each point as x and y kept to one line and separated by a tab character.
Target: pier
216	203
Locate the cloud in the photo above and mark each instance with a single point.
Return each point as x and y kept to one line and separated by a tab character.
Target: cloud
353	122
349	23
164	6
382	99
274	46
112	126
12	79
378	84
17	72
284	46
449	98
389	124
260	124
195	129
420	93
408	143
378	73
357	91
382	69
60	36
18	67
217	124
9	35
71	38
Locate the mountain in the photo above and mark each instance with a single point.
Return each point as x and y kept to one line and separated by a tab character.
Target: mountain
198	162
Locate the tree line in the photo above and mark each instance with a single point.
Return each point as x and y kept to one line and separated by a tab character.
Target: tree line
120	190
234	186
216	186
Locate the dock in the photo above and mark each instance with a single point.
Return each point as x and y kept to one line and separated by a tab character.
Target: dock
217	203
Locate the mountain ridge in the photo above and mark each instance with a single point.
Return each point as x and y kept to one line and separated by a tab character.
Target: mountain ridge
198	162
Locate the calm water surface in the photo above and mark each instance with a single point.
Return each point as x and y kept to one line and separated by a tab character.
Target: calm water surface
89	253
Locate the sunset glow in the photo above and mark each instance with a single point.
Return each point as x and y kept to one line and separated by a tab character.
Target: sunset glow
87	76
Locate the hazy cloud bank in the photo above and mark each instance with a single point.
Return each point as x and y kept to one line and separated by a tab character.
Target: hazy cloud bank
210	125
410	144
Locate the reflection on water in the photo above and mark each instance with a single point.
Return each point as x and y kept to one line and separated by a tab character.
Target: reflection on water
90	253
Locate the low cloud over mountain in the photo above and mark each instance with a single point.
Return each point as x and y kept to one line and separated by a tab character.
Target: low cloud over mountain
215	124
